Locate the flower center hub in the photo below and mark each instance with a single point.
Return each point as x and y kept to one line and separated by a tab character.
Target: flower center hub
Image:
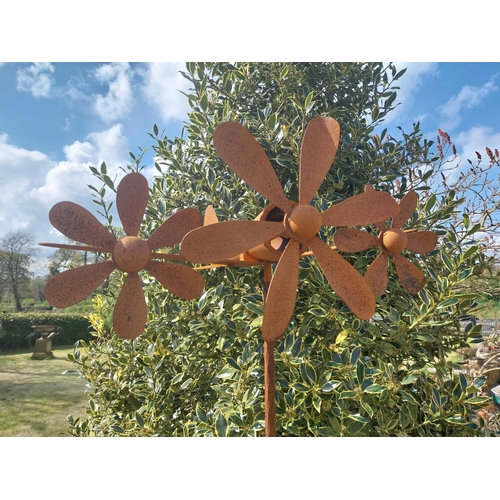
304	221
394	240
131	254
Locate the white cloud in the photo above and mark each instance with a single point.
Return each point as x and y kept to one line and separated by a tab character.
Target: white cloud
36	79
409	83
32	182
468	97
119	100
162	86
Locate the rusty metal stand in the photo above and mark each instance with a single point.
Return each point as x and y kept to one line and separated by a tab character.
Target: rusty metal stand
269	383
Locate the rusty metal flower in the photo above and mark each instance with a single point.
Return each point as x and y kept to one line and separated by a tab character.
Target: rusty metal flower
130	255
298	225
391	241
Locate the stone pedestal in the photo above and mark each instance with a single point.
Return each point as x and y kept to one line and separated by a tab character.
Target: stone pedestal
43	349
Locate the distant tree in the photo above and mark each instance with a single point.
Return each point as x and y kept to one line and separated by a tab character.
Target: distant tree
16	257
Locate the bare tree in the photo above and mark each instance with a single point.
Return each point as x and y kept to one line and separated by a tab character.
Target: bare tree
16	256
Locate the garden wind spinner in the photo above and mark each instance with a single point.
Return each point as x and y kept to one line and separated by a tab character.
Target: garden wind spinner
130	255
295	224
391	241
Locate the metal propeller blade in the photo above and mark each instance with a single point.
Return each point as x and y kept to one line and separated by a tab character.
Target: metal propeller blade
246	158
376	275
80	225
318	150
210	216
182	281
353	240
282	294
131	200
347	283
219	242
407	206
130	312
410	276
175	228
74	285
365	208
421	241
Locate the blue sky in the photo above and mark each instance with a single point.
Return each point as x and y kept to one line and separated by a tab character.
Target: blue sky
58	118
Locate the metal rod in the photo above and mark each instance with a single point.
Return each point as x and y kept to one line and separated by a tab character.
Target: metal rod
269	382
269	390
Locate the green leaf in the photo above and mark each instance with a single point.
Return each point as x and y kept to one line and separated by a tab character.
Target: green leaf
409	379
200	412
375	389
447	303
226	372
330	386
341	336
221	426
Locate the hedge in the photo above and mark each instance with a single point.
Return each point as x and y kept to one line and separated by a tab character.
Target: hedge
15	326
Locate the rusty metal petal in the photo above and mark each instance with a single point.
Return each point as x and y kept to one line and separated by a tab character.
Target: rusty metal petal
246	158
421	241
353	240
131	200
407	206
210	216
79	224
365	208
219	242
74	285
282	294
410	276
347	283
182	281
318	150
376	275
130	312
175	228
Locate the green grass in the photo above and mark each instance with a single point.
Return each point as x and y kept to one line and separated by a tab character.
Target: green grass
35	396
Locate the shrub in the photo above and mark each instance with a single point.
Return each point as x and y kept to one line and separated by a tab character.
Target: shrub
15	326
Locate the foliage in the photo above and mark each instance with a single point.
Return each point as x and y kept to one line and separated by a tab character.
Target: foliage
14	328
197	370
16	256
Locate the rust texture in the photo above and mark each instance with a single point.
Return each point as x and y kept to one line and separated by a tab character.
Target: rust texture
391	241
130	255
300	222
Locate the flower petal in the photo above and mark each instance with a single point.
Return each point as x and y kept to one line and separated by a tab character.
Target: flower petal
80	225
131	200
282	294
182	281
74	285
318	150
407	206
246	158
219	242
421	241
353	240
411	276
365	208
130	312
173	229
376	275
347	283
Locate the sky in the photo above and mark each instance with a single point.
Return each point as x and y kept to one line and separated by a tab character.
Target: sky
56	119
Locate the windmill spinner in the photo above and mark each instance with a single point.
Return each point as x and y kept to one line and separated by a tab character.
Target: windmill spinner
130	255
297	230
283	233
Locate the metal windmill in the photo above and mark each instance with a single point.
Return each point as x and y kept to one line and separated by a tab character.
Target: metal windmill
284	232
292	227
130	255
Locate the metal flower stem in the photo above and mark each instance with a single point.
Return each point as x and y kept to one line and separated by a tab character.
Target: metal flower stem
269	383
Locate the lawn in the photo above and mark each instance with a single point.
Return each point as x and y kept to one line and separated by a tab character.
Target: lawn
36	396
